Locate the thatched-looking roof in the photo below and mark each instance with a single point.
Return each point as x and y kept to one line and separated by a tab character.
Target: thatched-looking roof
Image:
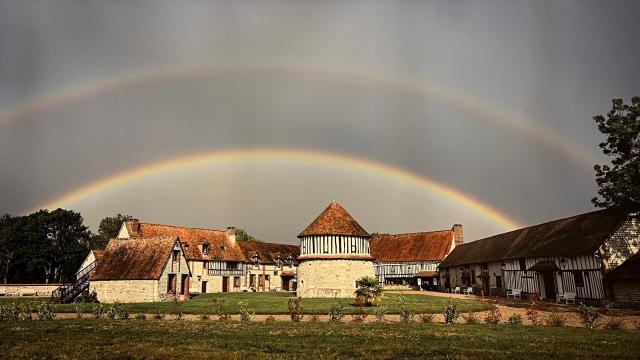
580	234
628	270
420	246
134	259
334	220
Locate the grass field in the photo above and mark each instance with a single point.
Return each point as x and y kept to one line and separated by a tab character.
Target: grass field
276	303
135	339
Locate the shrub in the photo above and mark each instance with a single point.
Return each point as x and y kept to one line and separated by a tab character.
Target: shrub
295	309
98	311
141	316
313	318
9	312
450	311
471	318
204	316
515	319
45	311
556	320
406	311
426	318
79	309
379	312
158	315
493	316
25	311
613	324
177	309
245	315
270	318
369	290
533	316
336	311
589	316
360	315
117	311
222	315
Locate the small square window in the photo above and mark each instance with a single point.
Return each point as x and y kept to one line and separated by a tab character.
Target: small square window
205	249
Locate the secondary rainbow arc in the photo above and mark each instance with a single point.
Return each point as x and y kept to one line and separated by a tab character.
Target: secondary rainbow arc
318	158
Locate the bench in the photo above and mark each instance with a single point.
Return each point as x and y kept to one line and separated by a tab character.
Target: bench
567	297
456	290
514	293
468	291
27	292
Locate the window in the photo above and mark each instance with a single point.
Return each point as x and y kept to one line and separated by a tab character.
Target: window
523	264
473	276
578	279
252	280
171	284
176	255
232	265
236	282
205	249
498	281
205	265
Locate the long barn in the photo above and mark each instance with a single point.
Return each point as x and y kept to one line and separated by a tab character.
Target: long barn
569	255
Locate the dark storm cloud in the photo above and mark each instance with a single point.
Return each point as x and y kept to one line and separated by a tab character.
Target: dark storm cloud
554	63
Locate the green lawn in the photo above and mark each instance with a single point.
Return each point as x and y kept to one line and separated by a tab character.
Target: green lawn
136	339
276	303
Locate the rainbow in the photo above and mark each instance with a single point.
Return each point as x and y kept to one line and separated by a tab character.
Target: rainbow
457	99
302	156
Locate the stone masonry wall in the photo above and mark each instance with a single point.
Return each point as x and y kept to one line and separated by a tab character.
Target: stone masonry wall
626	293
331	278
125	291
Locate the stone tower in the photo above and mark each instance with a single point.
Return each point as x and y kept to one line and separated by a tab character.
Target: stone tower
334	254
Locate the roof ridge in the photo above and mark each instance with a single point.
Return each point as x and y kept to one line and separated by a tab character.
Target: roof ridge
183	227
415	232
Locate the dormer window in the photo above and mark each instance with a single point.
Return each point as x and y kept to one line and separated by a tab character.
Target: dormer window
223	247
205	249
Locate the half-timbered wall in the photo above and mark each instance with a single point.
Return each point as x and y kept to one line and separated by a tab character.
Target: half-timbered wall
586	268
403	269
333	244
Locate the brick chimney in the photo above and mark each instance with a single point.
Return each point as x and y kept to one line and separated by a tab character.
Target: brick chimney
458	236
231	234
135	227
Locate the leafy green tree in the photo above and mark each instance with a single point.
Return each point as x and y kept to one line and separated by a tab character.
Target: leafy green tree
619	183
107	230
241	234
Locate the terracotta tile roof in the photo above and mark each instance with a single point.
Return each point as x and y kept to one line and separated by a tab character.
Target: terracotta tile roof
426	273
334	220
287	273
134	259
268	251
220	246
420	246
580	234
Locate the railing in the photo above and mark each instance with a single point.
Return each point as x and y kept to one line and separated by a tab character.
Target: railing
69	291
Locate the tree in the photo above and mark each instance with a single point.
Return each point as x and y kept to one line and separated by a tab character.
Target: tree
619	183
241	234
108	229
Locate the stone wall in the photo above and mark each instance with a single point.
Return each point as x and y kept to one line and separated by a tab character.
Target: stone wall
331	278
36	289
125	291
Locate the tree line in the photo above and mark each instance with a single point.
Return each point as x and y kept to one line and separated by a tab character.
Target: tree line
49	246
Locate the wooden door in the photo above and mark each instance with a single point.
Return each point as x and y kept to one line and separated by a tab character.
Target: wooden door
549	285
204	287
184	285
225	284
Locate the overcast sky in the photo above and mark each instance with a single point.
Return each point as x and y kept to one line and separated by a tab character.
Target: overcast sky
492	98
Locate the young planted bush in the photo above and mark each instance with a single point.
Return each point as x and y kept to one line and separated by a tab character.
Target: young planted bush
614	323
379	312
25	311
589	316
406	312
87	298
533	316
220	311
450	311
245	315
360	315
313	318
79	310
493	316
117	311
9	312
141	316
205	316
270	318
426	318
515	319
471	318
295	309
158	315
556	320
177	311
336	311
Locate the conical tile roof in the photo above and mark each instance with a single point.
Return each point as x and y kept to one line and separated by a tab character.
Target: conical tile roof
334	220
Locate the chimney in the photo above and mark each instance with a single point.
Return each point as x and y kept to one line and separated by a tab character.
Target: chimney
231	234
458	236
135	226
